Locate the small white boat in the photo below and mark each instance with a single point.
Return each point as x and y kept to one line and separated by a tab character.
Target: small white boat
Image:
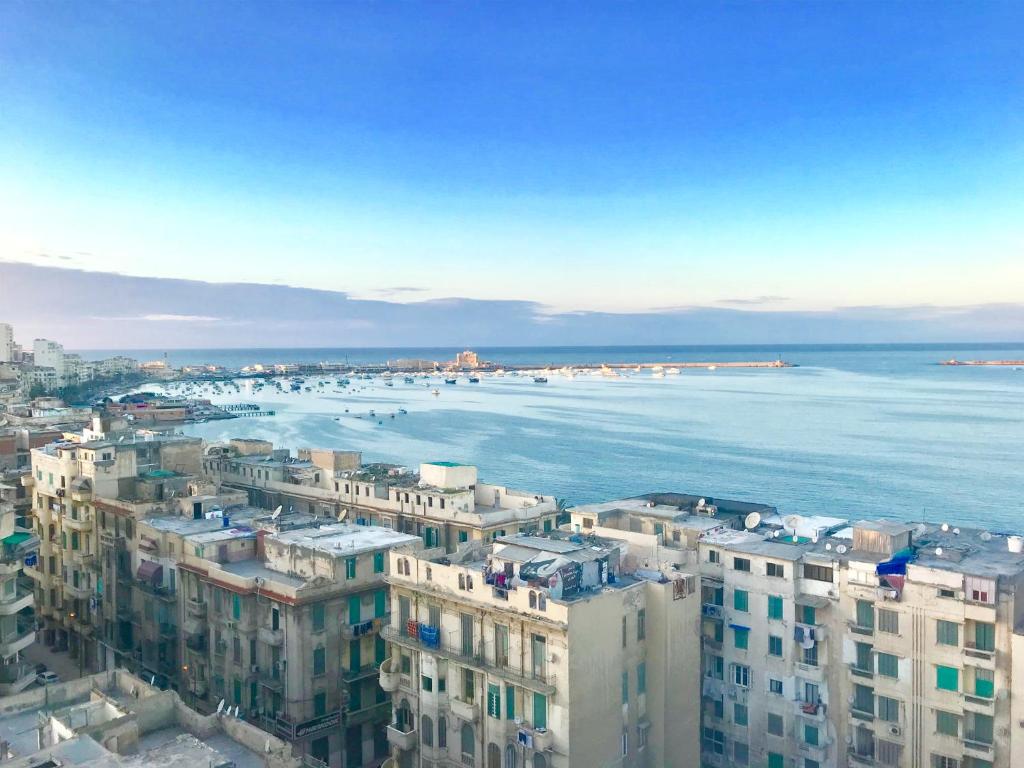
712	367
435	392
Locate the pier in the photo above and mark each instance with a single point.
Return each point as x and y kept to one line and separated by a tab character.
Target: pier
1012	363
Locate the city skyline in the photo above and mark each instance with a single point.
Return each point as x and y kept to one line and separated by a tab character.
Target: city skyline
795	158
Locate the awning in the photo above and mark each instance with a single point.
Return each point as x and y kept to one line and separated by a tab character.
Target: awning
814	601
16	538
151	572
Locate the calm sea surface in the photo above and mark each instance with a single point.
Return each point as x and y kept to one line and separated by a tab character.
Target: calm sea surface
854	431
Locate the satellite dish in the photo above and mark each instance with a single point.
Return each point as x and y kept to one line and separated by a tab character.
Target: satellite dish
986	536
277	513
956	531
220	707
700	503
828	546
938	551
791	522
237	709
152	680
752	521
841	549
945	527
776	534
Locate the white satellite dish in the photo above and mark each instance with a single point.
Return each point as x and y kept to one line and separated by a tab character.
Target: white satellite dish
938	551
776	534
220	707
752	521
237	709
277	513
828	546
700	503
956	531
986	536
945	527
841	549
152	680
791	522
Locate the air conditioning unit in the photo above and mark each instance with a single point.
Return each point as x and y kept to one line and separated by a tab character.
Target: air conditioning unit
895	730
254	668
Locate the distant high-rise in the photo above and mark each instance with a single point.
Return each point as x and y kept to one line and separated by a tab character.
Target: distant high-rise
6	343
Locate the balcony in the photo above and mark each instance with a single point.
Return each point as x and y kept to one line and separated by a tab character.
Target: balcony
856	757
82	523
464	710
367	670
375	712
28	480
541	737
15	678
272	637
197	643
541	681
108	539
196	608
24	635
160	593
35	573
271	679
978	743
23	598
712	611
389	676
353	631
971	649
860	629
81	558
810	710
80	592
817	632
402	740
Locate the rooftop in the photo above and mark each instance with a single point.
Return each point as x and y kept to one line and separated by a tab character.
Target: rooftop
344	539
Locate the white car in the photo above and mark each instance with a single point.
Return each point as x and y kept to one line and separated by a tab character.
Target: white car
46	678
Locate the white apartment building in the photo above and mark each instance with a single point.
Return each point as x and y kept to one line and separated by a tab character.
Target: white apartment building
6	343
49	354
17	619
541	652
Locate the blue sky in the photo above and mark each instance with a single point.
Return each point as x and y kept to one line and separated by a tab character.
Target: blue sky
621	157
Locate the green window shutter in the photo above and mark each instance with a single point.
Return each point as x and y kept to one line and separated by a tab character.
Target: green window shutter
888	665
236	606
378	562
353	609
463	536
775	760
947	632
355	697
625	687
984	683
540	710
985	636
254	694
809	614
350	568
354	660
740	637
774	607
493	701
947	678
547	525
380	648
380	603
510	702
774	645
865	613
641	678
811	735
237	691
319	617
740	600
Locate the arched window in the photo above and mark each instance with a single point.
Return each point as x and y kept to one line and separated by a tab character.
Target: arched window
510	756
493	756
403	716
539	761
462	581
442	733
429	574
427	731
468	741
469	582
542	601
533	599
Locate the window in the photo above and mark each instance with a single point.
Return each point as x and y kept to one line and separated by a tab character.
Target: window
350	568
980	590
468	742
540	710
941	761
863	699
740	637
625	630
984	636
406	664
641	678
641	624
818	572
468	685
811	735
888	665
714	741
888	753
776	570
808	614
625	687
494	701
947	593
775	760
740	564
715	666
510	702
863	662
865	614
775	724
947	723
947	678
427	731
741	675
740	714
378	562
888	709
740	753
740	600
501	645
236	607
318	617
947	632
775	607
319	661
888	621
978	728
774	645
426	683
713	556
320	703
641	734
775	686
625	742
984	683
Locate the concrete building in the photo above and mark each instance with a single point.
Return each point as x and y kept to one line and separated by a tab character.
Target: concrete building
17	618
6	343
49	354
827	643
540	651
116	720
285	625
444	503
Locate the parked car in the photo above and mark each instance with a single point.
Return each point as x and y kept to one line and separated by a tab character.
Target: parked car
40	668
46	678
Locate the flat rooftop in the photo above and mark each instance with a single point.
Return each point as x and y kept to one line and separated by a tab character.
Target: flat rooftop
344	539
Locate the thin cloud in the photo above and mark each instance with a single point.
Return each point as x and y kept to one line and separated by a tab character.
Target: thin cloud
754	301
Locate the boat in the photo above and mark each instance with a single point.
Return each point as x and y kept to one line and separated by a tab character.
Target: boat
402	411
436	392
474	379
672	371
449	381
712	367
409	380
389	384
540	379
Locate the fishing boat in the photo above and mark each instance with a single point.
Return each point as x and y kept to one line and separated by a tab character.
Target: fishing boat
435	392
540	379
402	411
450	381
409	380
474	379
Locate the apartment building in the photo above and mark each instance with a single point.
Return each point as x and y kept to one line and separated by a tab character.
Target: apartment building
540	651
285	625
444	503
17	618
827	643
